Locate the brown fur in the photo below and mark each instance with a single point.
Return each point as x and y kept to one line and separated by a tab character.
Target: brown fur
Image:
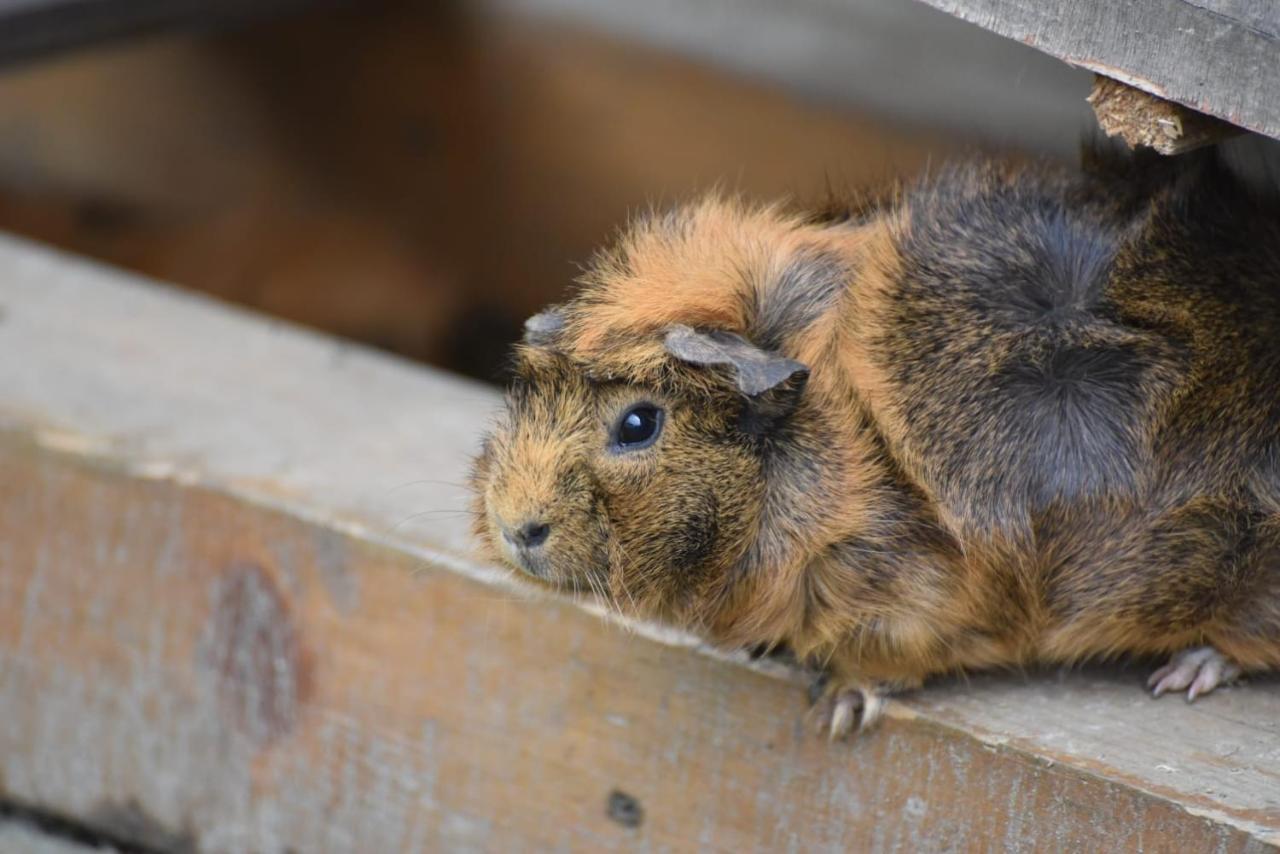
1040	424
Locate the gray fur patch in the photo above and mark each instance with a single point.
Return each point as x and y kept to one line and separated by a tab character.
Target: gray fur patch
1076	413
807	288
543	328
755	370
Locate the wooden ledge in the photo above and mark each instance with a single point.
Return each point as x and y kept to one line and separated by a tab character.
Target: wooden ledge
237	613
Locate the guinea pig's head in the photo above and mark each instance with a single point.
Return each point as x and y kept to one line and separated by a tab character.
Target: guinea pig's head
663	443
640	479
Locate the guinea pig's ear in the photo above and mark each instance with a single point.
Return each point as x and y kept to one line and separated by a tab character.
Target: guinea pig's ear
771	382
544	328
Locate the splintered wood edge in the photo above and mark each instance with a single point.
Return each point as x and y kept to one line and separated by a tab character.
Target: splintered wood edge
1143	119
108	367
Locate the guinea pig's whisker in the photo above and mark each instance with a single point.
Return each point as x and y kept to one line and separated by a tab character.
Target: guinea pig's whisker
635	609
626	591
597	588
427	481
420	514
630	599
600	588
826	660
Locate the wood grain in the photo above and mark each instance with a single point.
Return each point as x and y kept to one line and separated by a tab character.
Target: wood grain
1220	57
221	629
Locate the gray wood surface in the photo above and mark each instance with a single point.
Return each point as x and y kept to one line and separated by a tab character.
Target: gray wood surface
1221	57
238	608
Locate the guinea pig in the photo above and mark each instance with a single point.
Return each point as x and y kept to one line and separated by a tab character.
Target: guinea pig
1005	415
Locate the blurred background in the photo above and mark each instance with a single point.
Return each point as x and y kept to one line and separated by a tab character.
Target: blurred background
421	176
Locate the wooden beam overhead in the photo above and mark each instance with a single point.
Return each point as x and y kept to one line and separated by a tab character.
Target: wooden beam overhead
1218	57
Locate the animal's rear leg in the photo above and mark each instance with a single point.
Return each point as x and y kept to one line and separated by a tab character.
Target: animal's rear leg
1198	670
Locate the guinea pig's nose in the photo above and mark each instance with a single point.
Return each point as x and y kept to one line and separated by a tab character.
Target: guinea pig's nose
530	535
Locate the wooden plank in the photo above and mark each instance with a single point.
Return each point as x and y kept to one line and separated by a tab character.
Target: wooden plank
222	624
1220	57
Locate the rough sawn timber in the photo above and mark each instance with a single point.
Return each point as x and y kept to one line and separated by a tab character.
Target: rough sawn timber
1220	57
237	613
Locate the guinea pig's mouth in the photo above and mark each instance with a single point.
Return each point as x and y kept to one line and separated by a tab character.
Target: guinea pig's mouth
544	556
532	563
537	565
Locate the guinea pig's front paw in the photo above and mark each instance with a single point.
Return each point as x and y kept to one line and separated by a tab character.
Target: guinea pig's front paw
1199	670
842	707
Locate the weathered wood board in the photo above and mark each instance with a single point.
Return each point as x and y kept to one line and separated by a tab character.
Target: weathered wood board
1220	57
224	626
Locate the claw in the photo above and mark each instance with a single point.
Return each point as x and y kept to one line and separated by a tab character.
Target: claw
847	710
1198	671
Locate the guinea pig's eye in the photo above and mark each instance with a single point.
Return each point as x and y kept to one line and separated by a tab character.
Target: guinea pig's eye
638	427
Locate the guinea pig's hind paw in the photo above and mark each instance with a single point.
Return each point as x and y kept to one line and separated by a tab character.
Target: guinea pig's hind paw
1198	670
841	711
